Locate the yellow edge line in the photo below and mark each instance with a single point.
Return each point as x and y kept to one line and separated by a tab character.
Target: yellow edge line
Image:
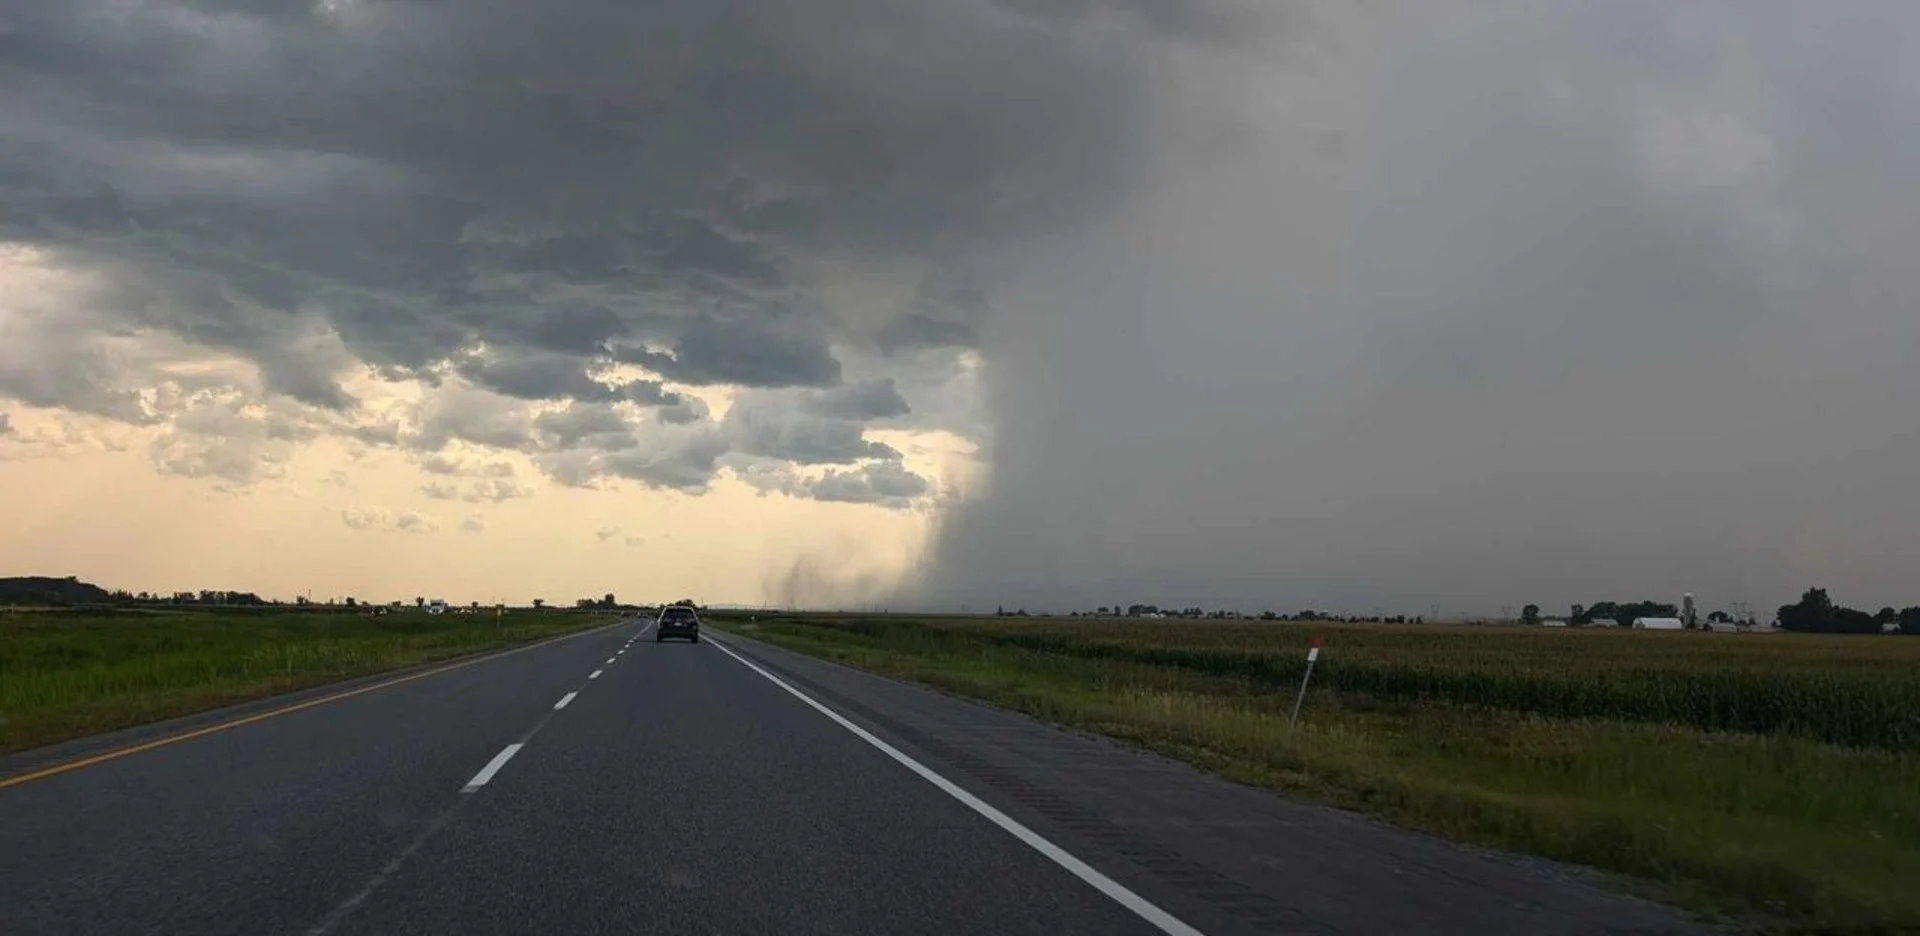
45	772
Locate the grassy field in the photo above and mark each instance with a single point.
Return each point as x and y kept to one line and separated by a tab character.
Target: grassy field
65	674
1750	777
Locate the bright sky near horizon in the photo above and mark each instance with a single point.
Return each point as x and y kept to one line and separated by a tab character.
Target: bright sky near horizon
1048	303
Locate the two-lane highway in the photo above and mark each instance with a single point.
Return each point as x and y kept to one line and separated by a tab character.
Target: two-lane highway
684	793
604	783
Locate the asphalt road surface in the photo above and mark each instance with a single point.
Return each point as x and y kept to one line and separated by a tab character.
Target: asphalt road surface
604	783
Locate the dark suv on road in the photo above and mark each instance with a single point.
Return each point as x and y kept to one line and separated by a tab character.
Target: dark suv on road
677	621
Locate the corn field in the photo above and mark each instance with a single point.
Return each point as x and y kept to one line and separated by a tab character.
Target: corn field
1860	691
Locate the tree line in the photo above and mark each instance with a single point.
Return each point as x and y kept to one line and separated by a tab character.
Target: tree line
1815	613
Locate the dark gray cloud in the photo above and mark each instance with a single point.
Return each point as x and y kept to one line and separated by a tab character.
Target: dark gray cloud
882	483
537	376
688	466
913	331
886	483
392	183
862	402
1538	302
598	425
745	353
1301	302
757	427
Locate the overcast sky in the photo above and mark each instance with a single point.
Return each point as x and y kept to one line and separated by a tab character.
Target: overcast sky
1047	303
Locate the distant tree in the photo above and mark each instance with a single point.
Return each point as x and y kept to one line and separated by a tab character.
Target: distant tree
1886	616
1268	616
607	602
539	603
1102	610
1854	621
1719	617
1530	615
1910	621
351	603
1000	611
419	602
1813	613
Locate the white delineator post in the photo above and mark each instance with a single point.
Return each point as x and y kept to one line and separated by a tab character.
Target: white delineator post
1313	656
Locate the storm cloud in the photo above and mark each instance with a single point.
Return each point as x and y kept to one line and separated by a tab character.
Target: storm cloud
1499	303
1247	302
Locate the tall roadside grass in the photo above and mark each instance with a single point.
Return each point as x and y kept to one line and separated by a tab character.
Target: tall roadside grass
69	674
1589	748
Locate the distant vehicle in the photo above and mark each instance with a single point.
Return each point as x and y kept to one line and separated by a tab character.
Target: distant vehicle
677	621
437	606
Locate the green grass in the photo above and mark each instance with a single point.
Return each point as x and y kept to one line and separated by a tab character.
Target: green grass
1752	777
66	674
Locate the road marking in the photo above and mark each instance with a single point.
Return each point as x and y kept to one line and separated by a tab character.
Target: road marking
117	753
557	706
386	872
493	767
1141	907
609	661
595	674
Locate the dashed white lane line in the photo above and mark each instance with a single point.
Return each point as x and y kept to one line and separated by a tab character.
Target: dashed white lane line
557	706
609	661
595	674
1141	907
493	767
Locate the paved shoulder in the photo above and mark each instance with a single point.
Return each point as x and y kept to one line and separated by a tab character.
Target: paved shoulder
1224	857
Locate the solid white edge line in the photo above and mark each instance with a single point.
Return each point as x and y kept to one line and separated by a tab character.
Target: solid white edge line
493	767
557	706
1141	907
595	674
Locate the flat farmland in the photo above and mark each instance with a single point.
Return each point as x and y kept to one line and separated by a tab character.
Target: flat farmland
1770	777
67	674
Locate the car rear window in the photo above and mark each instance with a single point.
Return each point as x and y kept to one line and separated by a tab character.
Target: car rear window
677	615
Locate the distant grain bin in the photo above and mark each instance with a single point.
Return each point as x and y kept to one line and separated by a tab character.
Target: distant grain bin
1649	623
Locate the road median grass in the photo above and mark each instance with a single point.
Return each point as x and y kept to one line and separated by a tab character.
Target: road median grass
68	674
1617	751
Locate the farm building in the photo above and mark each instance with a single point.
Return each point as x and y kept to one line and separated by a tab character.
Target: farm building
1662	623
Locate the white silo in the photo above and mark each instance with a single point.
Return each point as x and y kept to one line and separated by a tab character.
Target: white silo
1687	614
